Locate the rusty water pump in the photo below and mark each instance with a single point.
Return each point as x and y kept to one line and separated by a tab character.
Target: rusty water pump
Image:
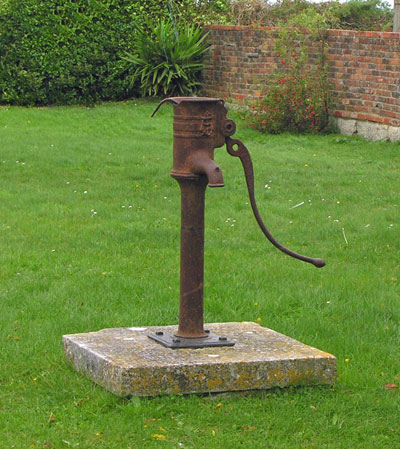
200	126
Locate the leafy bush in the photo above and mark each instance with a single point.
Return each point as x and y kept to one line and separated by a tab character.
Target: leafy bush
292	103
365	15
353	14
56	52
202	12
296	98
168	60
69	51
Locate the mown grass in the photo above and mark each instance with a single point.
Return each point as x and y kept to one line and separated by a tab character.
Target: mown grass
66	269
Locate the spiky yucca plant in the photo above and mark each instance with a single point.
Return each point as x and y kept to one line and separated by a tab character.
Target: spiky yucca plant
168	59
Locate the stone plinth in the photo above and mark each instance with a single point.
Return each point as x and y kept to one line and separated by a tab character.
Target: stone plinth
126	362
369	130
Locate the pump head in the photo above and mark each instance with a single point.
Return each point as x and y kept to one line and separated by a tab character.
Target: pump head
200	125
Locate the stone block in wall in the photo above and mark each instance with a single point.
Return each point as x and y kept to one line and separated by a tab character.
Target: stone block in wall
394	133
347	127
372	130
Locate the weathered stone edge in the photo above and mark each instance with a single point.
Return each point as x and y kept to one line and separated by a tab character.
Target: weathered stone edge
203	378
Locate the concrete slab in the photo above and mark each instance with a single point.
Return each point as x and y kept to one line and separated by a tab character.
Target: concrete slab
126	362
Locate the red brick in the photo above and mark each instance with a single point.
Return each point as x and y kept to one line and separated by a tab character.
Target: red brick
364	68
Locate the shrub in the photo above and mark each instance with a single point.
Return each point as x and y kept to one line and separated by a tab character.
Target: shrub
54	52
353	14
201	12
168	60
69	51
365	15
293	103
296	98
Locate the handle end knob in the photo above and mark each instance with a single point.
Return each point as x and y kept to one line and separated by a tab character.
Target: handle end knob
319	263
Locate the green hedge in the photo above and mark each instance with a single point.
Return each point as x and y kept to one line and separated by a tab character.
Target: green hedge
65	52
69	51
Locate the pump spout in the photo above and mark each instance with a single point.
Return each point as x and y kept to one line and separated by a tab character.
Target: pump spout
202	164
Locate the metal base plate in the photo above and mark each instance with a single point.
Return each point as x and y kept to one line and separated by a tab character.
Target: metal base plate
171	341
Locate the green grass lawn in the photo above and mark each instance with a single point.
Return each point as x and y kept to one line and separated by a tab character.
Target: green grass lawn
89	239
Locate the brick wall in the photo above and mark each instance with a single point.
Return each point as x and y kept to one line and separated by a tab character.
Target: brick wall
364	69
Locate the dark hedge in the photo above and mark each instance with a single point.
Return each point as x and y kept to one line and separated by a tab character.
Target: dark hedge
66	52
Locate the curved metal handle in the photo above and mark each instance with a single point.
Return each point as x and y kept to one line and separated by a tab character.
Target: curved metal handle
237	149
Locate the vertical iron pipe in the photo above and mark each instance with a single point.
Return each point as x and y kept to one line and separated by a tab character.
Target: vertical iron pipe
192	257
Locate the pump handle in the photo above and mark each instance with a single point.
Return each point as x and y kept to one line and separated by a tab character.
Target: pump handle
237	149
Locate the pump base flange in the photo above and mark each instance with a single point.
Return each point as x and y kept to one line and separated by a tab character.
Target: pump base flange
172	341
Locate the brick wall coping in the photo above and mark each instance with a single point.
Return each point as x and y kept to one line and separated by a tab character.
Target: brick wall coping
332	32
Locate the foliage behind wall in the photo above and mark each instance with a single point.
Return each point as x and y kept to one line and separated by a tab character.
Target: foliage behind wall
350	15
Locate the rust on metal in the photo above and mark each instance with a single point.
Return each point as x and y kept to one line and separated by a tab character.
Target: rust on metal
200	126
192	257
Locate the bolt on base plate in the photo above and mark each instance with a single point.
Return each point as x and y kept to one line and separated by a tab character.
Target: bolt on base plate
174	342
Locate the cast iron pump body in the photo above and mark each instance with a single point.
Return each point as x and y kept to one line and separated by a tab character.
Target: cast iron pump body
200	126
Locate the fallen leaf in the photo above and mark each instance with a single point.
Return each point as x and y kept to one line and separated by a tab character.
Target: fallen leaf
13	337
157	436
248	428
150	420
391	386
218	406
